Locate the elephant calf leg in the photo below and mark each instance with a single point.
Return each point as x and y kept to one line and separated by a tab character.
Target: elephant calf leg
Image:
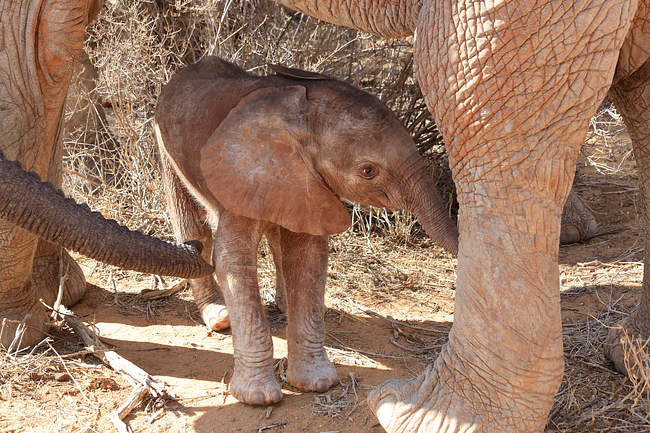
235	259
188	223
632	99
304	266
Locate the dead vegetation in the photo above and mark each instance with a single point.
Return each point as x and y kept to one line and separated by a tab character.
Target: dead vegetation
382	276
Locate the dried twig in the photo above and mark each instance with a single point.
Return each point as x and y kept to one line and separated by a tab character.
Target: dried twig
150	295
142	382
272	426
136	397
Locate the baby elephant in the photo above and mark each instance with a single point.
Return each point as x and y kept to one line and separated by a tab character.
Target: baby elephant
246	156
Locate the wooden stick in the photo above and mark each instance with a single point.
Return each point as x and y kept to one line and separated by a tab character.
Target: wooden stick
143	383
136	397
270	426
59	295
111	358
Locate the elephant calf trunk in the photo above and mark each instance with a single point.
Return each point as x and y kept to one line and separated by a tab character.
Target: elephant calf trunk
40	208
426	204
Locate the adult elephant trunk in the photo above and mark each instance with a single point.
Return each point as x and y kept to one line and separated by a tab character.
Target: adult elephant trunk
43	210
422	199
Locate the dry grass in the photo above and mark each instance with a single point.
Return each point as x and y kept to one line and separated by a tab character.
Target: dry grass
137	46
54	388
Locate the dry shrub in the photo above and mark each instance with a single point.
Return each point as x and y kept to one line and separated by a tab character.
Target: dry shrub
137	46
637	363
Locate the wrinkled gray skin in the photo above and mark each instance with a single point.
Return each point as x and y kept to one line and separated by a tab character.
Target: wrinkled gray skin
40	42
273	156
512	86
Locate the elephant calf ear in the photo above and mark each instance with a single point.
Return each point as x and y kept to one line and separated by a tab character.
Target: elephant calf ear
254	165
297	73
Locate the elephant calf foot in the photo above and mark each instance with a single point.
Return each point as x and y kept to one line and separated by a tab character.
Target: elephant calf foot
215	316
255	386
637	328
455	400
313	372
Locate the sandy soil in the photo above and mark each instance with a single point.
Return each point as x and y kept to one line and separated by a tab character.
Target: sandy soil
410	283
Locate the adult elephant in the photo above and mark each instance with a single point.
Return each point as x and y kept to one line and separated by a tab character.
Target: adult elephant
512	86
40	42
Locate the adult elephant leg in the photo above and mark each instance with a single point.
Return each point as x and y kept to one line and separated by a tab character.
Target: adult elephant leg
513	101
53	266
632	99
304	264
578	223
188	223
51	262
235	260
274	238
40	44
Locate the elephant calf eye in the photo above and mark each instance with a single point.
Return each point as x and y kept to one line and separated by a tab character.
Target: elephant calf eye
368	171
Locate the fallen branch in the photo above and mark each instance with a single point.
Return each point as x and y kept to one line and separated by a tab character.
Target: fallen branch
110	357
142	382
135	398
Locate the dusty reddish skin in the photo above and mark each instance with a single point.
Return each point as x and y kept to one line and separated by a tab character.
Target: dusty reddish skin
512	86
40	42
272	156
46	36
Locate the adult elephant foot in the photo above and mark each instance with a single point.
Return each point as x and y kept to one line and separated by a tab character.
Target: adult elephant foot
633	330
47	273
22	326
453	399
578	223
26	310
